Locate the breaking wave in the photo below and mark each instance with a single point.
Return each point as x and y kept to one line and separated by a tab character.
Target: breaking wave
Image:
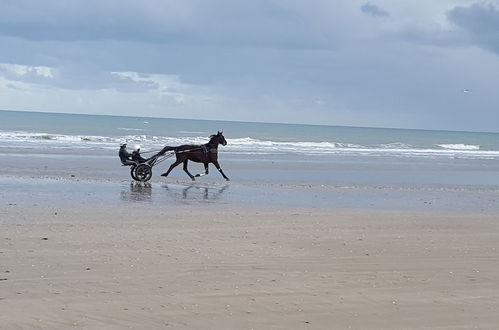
247	145
459	146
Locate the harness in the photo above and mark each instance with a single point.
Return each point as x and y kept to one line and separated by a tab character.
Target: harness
202	147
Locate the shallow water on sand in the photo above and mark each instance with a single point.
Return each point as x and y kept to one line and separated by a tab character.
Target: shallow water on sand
53	195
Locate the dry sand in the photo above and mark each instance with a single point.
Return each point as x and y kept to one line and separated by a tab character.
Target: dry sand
241	269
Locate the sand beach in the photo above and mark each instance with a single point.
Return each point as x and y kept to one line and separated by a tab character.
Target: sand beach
193	257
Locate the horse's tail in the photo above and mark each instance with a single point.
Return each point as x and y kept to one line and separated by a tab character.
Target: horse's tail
167	148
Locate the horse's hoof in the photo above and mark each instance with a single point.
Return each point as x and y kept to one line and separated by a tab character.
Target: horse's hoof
193	179
227	179
164	174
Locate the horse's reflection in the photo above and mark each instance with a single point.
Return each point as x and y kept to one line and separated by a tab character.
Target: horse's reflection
193	192
143	192
139	192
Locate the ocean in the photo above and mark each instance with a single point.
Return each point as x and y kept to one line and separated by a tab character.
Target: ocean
303	153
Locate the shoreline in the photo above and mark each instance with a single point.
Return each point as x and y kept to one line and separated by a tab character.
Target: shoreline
328	170
75	193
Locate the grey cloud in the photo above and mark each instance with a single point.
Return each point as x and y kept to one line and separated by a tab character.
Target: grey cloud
481	22
374	10
221	22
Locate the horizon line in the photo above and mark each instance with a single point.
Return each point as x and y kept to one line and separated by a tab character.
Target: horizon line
252	122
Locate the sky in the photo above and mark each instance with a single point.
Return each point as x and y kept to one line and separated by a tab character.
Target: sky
384	63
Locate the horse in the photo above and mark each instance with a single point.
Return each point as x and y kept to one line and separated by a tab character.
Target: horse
205	153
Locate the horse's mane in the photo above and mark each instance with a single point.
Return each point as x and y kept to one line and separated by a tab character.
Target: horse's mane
214	136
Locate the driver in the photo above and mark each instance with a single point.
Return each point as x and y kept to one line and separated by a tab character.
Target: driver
136	155
125	156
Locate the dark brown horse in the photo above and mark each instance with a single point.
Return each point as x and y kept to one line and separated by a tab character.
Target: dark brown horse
205	153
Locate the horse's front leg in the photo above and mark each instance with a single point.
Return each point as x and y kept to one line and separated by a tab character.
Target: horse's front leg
215	162
187	171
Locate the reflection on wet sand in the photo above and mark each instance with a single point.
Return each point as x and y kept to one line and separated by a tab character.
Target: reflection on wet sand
145	192
195	192
138	192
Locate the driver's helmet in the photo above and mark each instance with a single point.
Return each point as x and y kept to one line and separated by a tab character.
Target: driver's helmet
122	144
136	147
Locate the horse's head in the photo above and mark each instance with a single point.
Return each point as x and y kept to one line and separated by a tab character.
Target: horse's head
218	138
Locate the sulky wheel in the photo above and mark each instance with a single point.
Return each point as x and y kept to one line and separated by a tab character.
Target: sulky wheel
142	172
132	172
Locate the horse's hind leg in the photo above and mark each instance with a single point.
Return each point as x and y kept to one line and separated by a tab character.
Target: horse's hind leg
172	166
187	171
205	171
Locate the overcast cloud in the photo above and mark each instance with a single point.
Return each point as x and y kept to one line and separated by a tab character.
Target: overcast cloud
380	63
374	10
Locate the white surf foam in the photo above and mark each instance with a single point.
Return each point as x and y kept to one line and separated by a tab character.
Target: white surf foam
247	145
459	146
